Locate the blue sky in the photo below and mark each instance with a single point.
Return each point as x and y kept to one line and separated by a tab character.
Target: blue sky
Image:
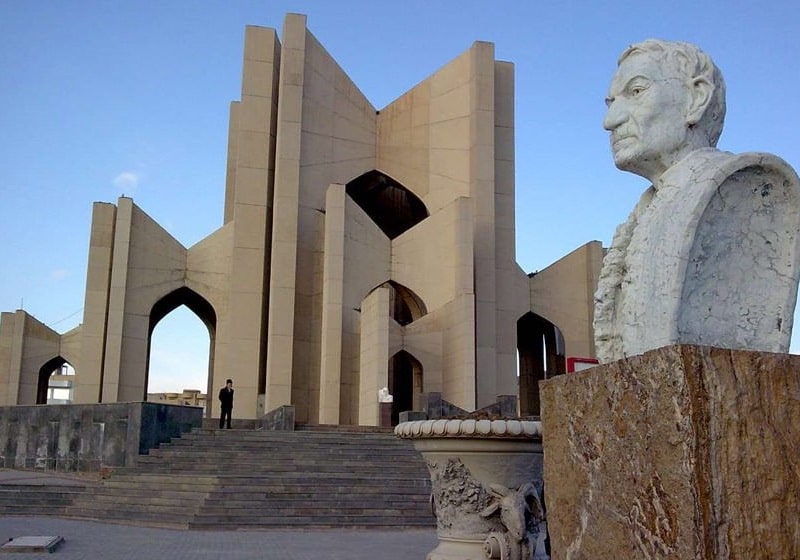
99	99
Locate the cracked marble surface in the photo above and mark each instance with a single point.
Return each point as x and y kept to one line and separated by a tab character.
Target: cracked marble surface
711	253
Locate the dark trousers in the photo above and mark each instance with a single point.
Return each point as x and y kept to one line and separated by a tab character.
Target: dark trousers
225	413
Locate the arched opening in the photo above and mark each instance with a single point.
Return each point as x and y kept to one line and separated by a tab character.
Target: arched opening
180	349
392	207
405	306
55	382
405	382
541	354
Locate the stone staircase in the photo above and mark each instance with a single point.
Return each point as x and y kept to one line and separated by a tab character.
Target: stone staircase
38	499
239	479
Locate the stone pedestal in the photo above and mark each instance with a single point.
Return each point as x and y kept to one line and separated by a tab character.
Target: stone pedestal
484	486
385	409
682	452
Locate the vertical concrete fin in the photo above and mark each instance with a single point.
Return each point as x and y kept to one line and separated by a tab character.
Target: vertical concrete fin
241	347
233	147
94	330
281	321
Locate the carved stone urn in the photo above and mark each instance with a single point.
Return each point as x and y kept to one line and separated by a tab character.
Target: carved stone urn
486	477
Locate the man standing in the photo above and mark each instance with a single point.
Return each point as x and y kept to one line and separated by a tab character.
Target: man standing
226	404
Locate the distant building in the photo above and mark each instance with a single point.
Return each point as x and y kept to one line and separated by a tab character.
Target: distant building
360	249
60	385
189	397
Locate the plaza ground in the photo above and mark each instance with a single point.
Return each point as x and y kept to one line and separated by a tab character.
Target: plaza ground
92	540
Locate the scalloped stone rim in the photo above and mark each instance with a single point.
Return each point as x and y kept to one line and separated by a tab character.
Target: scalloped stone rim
512	429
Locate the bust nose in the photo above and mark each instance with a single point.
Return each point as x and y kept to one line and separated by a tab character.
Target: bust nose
615	115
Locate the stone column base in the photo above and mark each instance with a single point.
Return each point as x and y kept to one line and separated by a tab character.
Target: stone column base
683	452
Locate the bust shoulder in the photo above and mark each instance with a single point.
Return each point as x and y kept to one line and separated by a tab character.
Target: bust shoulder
698	254
709	167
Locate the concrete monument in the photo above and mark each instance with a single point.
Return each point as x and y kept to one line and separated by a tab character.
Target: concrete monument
709	255
360	248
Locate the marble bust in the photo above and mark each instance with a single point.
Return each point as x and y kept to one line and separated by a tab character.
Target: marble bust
709	255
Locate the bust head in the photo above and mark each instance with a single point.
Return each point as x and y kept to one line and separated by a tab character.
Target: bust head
666	100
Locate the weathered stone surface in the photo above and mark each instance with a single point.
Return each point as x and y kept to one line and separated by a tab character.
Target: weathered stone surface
76	437
711	253
683	452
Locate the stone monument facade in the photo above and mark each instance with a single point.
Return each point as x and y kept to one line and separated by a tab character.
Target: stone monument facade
710	254
360	249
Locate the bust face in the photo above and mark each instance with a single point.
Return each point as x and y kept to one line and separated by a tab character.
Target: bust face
648	103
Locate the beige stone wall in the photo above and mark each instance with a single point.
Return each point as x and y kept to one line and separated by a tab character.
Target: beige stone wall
26	345
208	269
241	348
88	386
449	137
10	357
563	293
356	260
326	134
148	264
512	296
69	346
41	344
374	365
435	260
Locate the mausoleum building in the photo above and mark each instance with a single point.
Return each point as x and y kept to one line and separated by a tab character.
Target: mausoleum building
360	249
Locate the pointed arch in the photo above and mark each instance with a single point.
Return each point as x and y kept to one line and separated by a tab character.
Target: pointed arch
45	373
393	207
541	354
198	305
405	306
405	382
191	299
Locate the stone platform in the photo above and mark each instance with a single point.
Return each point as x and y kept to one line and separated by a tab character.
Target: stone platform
682	452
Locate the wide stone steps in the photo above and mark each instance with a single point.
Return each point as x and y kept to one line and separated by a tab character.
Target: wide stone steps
37	499
228	479
279	466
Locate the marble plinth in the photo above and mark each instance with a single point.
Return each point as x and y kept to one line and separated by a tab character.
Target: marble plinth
682	452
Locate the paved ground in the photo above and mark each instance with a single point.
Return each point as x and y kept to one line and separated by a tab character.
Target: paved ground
90	540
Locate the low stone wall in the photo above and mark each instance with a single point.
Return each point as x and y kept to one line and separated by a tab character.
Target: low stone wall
87	437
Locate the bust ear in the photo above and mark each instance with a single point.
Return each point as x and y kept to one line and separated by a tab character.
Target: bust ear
702	90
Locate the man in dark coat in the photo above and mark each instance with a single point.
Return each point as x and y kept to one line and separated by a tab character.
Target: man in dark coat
226	404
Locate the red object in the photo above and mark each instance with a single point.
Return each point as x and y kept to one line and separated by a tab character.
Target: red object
577	364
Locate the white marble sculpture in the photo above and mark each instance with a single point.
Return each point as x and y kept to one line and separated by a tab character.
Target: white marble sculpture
709	255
